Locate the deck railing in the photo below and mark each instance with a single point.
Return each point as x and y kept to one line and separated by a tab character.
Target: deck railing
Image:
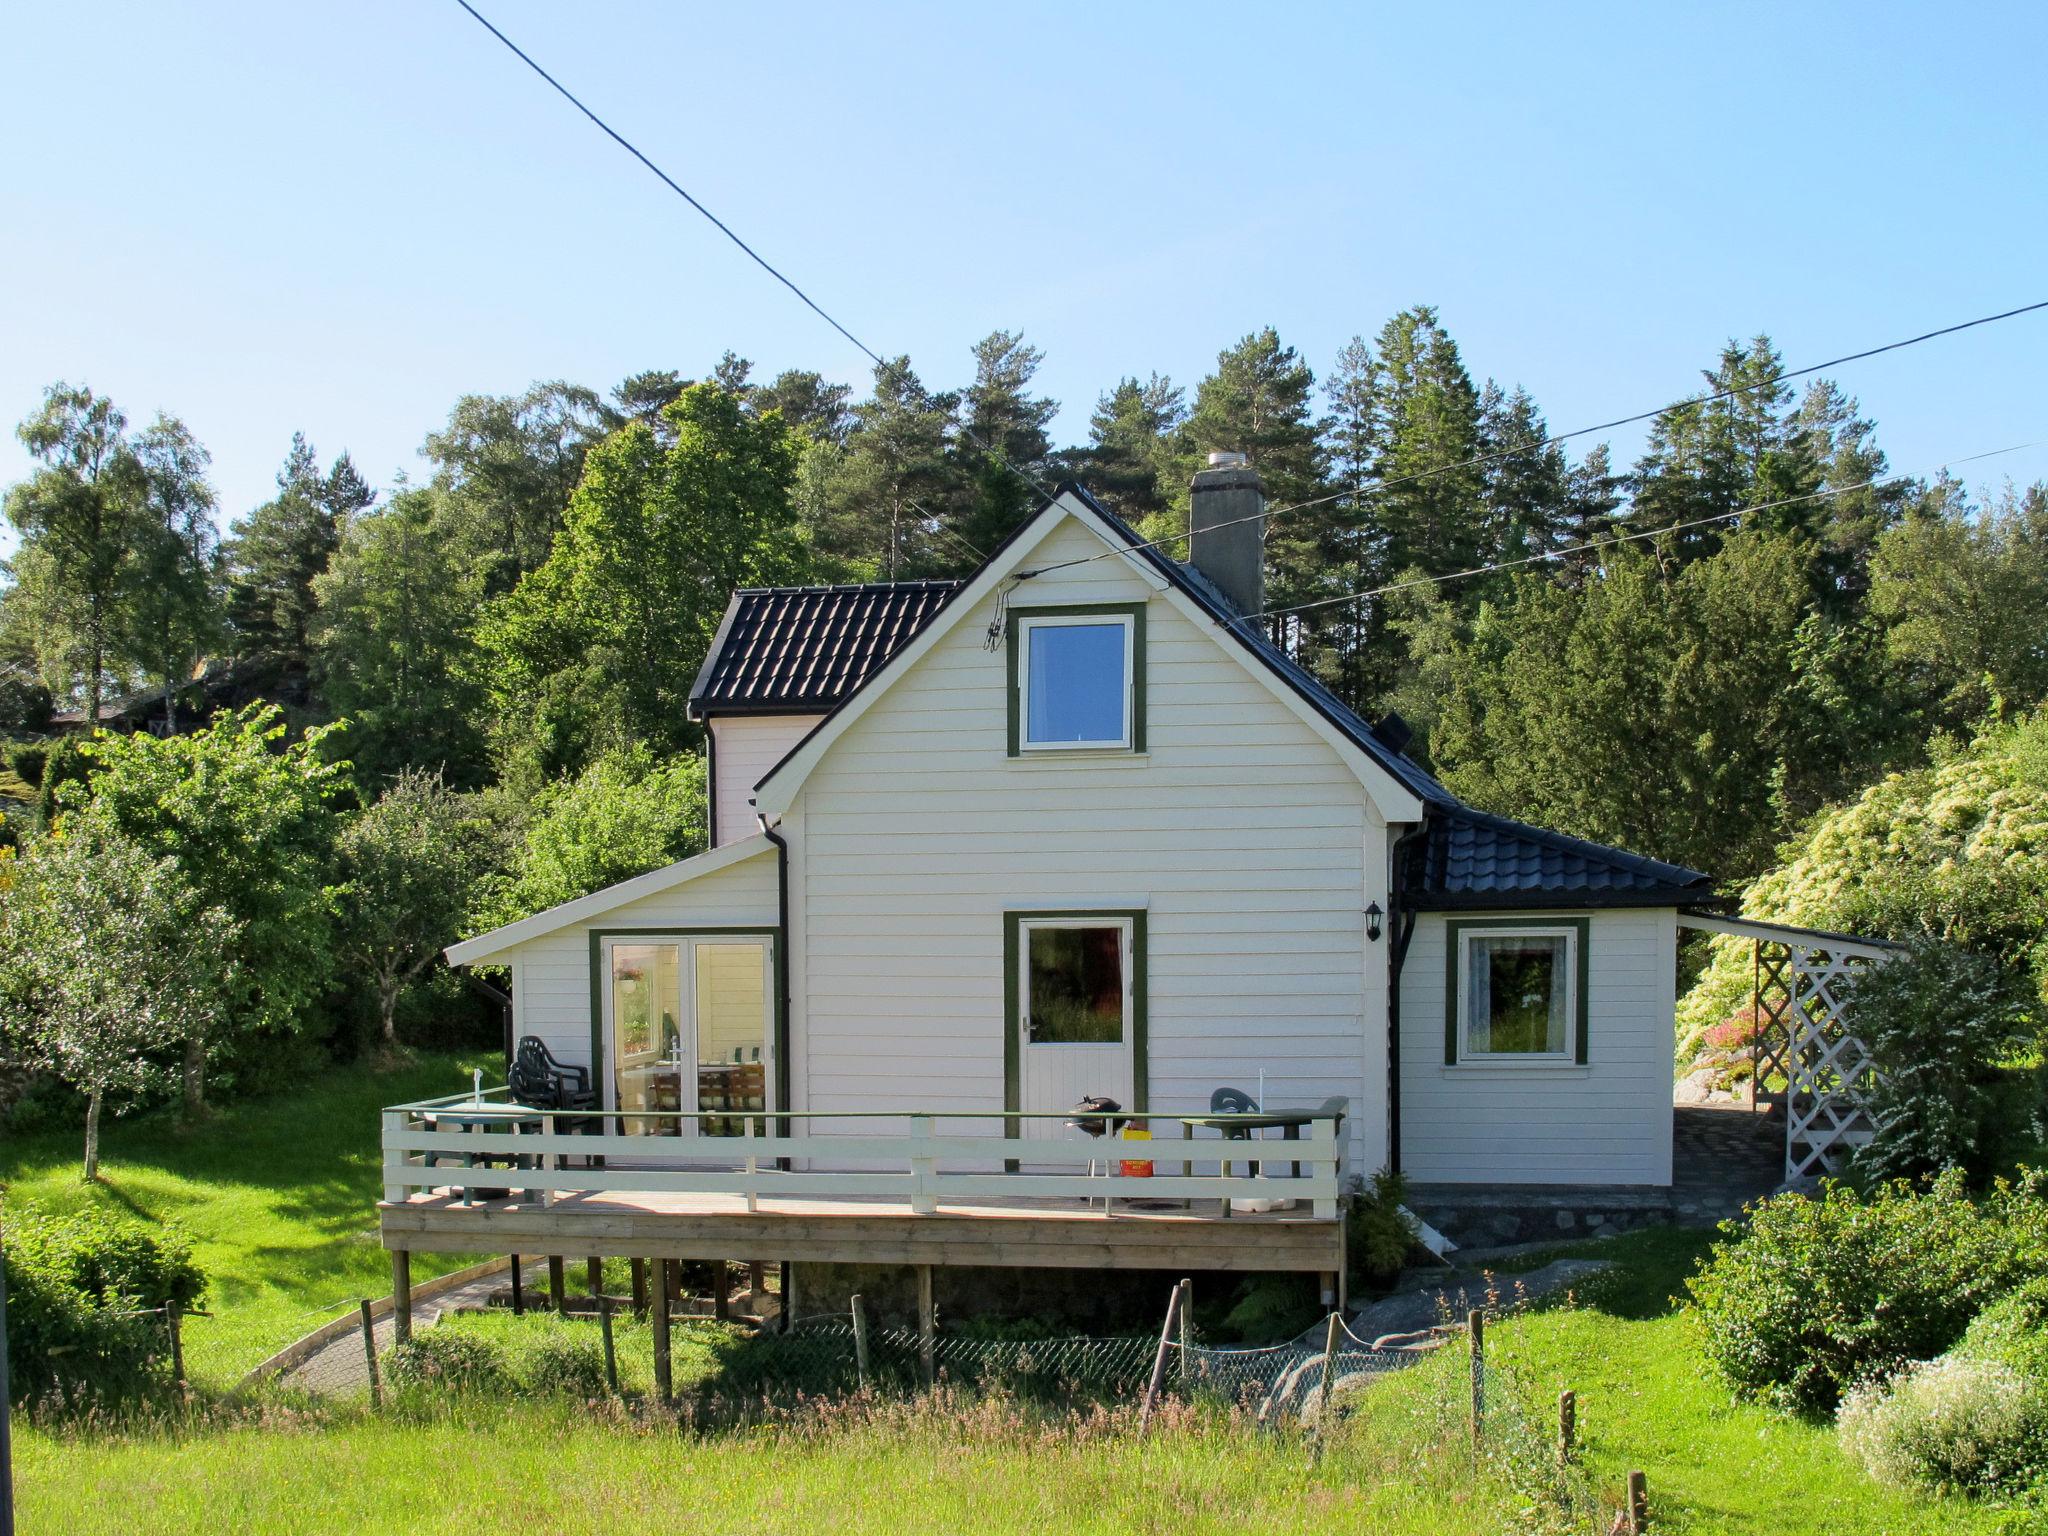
451	1143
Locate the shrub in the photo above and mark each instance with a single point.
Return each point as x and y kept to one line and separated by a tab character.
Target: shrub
1377	1235
563	1364
449	1359
75	1285
2013	1331
27	759
1951	1425
1820	1295
1938	1020
1272	1308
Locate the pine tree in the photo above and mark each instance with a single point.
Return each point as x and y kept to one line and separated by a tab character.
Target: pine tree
1002	438
1525	478
1131	459
1593	495
1429	498
899	487
809	404
279	550
1259	402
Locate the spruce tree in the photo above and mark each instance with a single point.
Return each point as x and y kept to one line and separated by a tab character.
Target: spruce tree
1002	438
1429	497
1131	461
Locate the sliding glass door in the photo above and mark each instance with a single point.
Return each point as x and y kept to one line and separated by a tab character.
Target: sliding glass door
688	1026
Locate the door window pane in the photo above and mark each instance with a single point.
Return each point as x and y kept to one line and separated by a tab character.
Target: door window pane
647	1003
732	1033
1076	985
1517	1000
1075	684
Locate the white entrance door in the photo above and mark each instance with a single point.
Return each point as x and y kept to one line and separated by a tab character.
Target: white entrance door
1074	1023
688	1027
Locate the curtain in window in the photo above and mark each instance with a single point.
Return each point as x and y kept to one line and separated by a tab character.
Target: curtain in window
1515	998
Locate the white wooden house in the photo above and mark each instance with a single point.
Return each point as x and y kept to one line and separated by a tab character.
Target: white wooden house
1073	827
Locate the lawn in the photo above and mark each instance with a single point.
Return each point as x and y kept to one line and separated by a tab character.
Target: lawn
278	1195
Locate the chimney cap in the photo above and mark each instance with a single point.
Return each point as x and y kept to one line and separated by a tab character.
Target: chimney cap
1225	458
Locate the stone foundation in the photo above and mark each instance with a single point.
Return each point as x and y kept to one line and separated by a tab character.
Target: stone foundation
1501	1215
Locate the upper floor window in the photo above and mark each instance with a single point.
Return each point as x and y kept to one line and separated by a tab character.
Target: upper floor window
1077	680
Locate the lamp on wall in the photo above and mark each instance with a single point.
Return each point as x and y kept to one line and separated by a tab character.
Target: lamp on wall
1372	922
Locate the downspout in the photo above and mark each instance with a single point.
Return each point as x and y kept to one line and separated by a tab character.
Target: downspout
710	786
1400	929
782	1011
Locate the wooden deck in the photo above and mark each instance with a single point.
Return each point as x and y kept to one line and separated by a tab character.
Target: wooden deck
1007	1231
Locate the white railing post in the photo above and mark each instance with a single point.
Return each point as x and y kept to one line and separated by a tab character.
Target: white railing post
394	1127
924	1195
1323	1138
547	1193
753	1163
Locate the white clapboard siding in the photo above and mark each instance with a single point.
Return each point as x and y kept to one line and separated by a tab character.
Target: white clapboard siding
551	974
1609	1123
746	747
1239	831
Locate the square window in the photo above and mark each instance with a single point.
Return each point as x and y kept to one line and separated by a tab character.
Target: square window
1516	994
1075	679
1074	979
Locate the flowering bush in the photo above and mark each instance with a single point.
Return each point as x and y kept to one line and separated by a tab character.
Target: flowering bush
1951	1425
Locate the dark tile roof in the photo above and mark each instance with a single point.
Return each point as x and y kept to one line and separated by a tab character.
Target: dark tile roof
805	648
1469	858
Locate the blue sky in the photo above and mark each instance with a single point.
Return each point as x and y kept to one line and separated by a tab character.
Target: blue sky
337	218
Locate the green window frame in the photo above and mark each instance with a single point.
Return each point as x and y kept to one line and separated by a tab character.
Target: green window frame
1018	622
1013	931
600	1063
1457	931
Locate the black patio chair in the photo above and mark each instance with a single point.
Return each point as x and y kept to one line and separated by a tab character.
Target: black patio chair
539	1080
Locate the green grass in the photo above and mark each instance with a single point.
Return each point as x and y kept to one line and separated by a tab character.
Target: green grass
278	1195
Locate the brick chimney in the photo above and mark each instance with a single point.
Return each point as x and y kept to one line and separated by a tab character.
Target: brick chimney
1227	530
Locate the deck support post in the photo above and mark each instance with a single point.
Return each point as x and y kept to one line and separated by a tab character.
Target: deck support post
757	1282
401	1296
558	1286
663	1381
860	1339
518	1290
593	1277
927	1325
721	1290
639	1268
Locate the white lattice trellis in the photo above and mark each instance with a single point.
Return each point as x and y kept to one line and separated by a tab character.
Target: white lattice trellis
1801	1013
1828	1069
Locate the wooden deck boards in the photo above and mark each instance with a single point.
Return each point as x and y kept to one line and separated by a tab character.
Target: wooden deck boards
1010	1231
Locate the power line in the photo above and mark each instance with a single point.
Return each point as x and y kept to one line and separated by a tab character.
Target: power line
1565	437
753	255
1602	543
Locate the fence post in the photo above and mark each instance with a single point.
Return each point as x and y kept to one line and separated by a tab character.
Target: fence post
924	1198
611	1358
1475	1327
927	1326
401	1296
370	1356
1187	1328
662	1380
1567	1425
1329	1381
558	1286
177	1348
6	1452
1638	1504
860	1339
1174	1299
